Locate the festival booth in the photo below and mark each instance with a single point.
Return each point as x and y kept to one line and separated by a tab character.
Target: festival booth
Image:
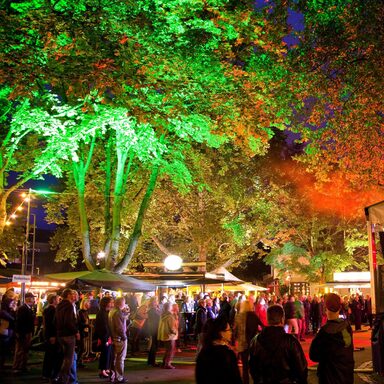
375	228
104	279
347	283
36	284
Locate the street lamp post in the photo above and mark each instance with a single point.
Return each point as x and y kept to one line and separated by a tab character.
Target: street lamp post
33	244
25	245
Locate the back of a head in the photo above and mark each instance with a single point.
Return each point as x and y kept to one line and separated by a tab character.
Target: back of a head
332	302
66	293
275	315
166	307
105	301
51	298
119	301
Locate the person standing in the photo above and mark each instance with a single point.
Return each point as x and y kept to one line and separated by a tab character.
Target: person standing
307	312
290	316
7	326
168	333
315	314
67	332
42	303
209	305
368	310
24	328
201	319
275	356
83	322
53	355
345	310
103	336
332	347
247	325
153	326
261	309
300	316
138	319
216	362
117	320
357	308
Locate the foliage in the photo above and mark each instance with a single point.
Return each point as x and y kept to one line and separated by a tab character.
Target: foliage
342	122
145	80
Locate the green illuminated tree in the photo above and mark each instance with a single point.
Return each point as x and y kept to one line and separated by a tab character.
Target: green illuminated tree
23	150
144	81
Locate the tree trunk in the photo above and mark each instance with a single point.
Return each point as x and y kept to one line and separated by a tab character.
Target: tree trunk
203	257
134	239
79	176
84	229
161	246
3	212
107	198
118	198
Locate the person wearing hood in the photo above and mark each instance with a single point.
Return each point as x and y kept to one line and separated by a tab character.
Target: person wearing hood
332	347
275	356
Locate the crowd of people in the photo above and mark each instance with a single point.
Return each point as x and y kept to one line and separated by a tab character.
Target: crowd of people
266	336
263	332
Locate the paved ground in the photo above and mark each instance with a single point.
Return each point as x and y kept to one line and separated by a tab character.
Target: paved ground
138	372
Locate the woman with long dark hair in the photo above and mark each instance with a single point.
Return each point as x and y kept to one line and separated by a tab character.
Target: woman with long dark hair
217	362
103	335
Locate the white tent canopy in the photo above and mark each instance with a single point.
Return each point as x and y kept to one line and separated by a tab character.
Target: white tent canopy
237	284
222	272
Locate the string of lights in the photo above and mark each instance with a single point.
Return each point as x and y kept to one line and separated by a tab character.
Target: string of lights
13	216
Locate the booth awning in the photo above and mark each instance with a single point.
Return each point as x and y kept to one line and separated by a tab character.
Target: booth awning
105	279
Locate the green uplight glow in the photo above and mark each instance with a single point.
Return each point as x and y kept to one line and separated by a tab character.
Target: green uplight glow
43	192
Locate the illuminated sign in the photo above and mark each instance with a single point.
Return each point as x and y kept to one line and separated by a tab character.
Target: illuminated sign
352	276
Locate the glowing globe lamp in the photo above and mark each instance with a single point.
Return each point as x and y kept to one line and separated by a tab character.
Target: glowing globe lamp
173	262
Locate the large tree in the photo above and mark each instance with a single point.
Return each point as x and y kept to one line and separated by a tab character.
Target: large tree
143	81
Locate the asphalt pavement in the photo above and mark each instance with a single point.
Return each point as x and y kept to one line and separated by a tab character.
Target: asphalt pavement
137	370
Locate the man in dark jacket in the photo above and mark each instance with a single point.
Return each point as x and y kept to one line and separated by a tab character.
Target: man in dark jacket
25	326
67	332
52	357
153	326
201	319
333	346
290	316
275	356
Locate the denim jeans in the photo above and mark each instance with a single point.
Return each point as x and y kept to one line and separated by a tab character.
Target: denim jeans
68	344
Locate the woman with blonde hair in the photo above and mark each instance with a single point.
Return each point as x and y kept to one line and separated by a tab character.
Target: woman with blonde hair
168	334
83	322
247	325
